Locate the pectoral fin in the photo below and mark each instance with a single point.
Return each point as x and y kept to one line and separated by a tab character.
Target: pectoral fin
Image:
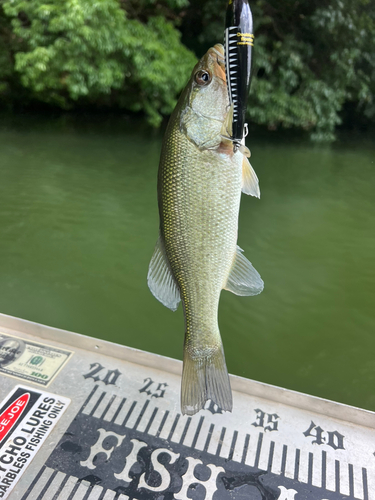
250	183
245	150
243	278
226	130
160	279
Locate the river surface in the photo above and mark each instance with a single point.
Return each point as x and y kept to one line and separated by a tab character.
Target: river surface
78	225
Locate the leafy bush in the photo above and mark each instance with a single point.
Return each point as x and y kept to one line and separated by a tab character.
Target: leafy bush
311	58
84	50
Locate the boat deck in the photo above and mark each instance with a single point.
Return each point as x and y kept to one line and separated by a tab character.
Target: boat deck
85	419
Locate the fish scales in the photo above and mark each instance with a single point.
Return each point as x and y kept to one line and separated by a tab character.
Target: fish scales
196	256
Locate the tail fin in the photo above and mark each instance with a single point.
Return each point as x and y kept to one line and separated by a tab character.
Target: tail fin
205	378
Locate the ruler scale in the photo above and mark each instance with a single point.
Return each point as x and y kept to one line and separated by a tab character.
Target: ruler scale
307	467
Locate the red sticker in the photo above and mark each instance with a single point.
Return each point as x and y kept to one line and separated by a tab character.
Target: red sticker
10	416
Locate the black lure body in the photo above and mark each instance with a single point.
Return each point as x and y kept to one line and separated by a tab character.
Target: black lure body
239	41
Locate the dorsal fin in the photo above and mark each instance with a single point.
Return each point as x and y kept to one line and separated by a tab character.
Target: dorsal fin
160	279
243	278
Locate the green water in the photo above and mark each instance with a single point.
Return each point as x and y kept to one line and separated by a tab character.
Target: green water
78	224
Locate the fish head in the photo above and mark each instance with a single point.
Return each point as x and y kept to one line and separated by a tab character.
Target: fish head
205	106
208	87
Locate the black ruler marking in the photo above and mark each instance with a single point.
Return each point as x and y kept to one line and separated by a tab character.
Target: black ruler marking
46	486
61	487
108	406
198	429
365	485
351	480
118	410
259	449
270	456
233	445
185	430
310	471
151	419
296	464
337	473
283	459
74	490
162	423
88	399
223	431
324	469
97	403
129	413
209	436
36	479
174	425
88	492
101	496
144	408
245	448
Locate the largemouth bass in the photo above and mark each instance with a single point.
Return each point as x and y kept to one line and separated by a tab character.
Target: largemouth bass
196	256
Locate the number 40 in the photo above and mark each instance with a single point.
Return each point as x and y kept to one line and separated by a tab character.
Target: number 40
333	439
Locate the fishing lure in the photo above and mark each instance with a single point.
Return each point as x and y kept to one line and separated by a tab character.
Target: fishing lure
238	41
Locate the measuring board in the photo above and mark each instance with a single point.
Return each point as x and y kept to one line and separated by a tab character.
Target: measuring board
85	419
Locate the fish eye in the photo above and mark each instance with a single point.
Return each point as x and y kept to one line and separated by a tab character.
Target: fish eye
202	77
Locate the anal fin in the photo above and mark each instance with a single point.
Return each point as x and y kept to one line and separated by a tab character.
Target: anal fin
243	278
160	279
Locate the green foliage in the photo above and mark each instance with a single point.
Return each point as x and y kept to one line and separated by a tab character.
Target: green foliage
348	42
80	49
312	58
286	92
6	62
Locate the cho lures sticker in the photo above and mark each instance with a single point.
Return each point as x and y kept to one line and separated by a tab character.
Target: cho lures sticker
27	416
